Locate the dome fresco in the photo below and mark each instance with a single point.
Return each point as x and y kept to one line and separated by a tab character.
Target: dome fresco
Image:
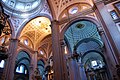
82	30
22	5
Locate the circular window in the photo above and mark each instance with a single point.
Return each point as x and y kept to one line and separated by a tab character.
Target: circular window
73	10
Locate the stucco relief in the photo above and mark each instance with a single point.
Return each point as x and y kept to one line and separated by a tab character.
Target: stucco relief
17	23
46	9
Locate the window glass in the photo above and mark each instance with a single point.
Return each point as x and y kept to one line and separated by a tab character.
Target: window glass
34	4
114	14
20	6
73	10
20	69
4	0
94	63
2	64
41	52
26	42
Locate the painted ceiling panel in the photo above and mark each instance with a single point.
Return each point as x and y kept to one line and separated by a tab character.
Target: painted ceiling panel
81	30
36	30
22	5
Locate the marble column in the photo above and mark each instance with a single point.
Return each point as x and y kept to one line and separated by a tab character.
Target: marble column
109	27
10	62
58	56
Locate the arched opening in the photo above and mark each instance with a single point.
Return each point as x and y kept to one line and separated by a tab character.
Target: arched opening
41	66
36	37
81	37
82	30
22	64
95	66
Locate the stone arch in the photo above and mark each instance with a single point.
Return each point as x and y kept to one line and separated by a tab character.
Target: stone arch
78	19
72	21
28	20
67	7
26	51
89	39
100	53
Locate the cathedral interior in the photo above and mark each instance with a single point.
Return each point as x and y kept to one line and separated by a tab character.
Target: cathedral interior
59	39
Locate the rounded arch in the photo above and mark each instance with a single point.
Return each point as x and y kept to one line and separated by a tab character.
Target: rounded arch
41	61
70	6
20	65
76	20
24	58
28	20
26	51
89	39
100	53
41	66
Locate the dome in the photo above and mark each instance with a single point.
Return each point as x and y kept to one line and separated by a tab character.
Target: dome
19	7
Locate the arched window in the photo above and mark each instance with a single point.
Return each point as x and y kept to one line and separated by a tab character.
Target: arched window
21	69
26	42
2	63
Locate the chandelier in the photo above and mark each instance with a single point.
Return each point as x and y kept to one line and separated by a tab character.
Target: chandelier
4	29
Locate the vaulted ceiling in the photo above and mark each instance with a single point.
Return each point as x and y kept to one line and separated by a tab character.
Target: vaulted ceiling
36	30
58	6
